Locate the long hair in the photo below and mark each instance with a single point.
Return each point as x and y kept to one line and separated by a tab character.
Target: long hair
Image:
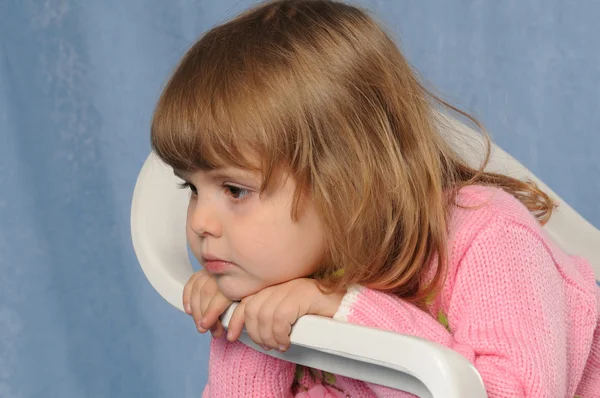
319	88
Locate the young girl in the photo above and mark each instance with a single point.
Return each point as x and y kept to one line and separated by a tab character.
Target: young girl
321	183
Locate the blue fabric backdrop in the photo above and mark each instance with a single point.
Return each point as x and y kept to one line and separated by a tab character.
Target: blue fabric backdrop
78	82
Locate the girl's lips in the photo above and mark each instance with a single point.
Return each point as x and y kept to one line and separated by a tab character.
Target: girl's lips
217	266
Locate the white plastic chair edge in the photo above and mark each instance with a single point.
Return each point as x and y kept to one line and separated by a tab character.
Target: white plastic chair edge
415	365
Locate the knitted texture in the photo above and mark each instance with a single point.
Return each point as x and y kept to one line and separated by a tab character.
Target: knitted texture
525	314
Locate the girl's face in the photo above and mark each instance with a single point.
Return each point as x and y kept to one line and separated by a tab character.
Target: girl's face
249	242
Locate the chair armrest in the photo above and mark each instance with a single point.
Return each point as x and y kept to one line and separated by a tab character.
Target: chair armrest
407	363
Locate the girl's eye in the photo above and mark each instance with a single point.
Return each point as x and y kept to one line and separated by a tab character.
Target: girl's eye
185	185
236	192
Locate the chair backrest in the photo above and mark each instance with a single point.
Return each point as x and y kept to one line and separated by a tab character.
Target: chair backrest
573	233
415	365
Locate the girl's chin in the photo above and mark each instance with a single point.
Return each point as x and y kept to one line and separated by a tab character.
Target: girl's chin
236	290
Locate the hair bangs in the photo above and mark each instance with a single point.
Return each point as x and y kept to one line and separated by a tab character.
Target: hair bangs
218	110
193	130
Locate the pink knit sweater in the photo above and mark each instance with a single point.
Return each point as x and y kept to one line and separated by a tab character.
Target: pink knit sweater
526	315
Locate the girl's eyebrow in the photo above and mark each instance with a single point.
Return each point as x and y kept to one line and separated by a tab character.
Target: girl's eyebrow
224	173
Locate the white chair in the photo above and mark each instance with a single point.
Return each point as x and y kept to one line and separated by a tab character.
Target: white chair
408	363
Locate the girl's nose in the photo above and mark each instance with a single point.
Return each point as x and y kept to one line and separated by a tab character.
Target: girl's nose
203	219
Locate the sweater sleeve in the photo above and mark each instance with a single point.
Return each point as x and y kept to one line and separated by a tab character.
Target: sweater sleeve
236	370
507	314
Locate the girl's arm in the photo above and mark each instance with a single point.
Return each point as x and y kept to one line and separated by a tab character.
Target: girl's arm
512	311
236	370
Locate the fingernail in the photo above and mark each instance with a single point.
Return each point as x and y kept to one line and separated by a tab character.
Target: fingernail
202	321
229	335
188	308
282	348
264	347
200	328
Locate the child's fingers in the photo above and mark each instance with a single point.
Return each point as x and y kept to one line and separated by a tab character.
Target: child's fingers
196	305
236	323
187	292
284	316
290	309
253	318
206	292
217	330
216	306
267	317
203	291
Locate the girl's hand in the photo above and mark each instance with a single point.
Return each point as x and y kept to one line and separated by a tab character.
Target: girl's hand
270	313
205	303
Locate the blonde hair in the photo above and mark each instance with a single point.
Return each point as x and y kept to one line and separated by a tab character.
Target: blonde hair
319	87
